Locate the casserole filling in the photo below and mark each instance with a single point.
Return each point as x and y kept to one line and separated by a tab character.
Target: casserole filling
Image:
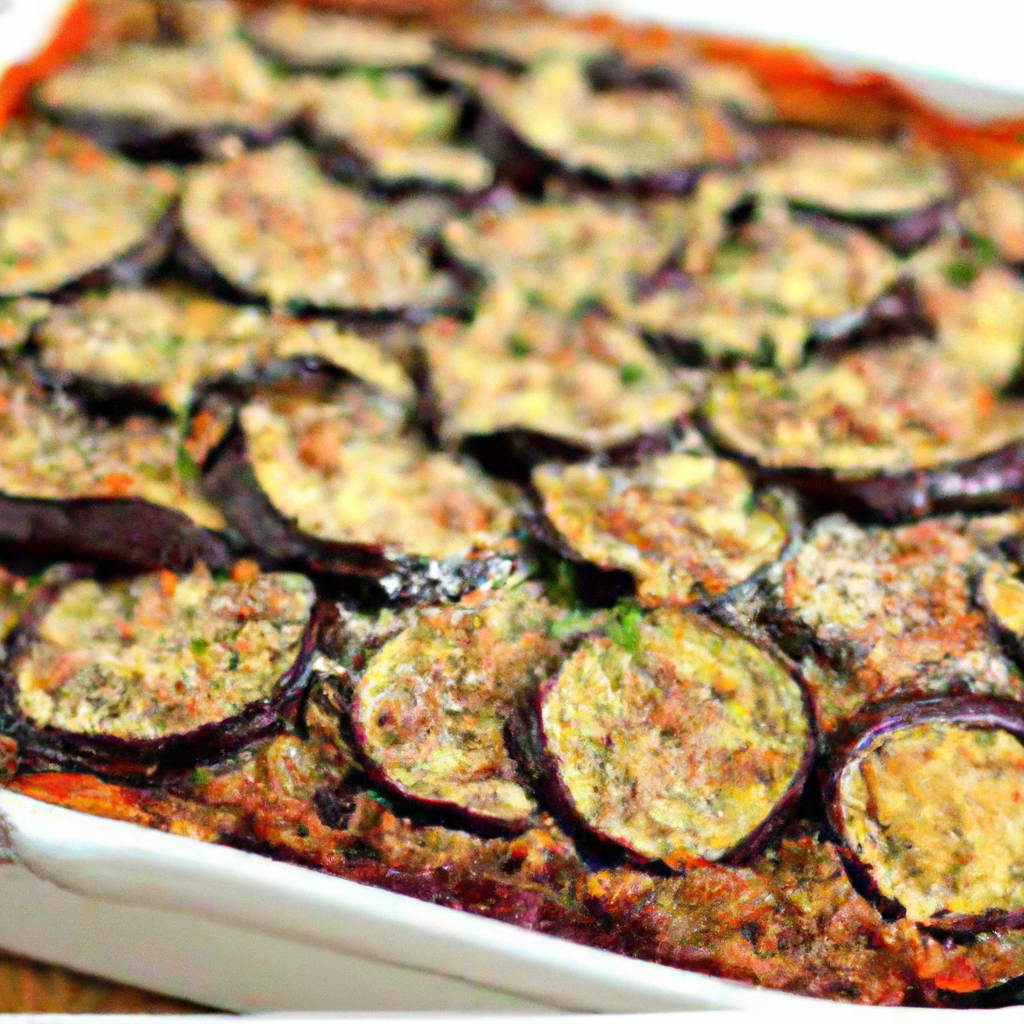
18	319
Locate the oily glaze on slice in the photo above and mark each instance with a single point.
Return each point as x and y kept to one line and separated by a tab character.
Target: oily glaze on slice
681	742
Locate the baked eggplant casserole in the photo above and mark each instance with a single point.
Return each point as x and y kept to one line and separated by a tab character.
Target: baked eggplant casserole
493	467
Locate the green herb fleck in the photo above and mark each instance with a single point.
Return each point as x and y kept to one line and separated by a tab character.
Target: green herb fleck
199	646
186	465
571	624
519	348
631	373
233	660
961	273
302	830
624	626
201	776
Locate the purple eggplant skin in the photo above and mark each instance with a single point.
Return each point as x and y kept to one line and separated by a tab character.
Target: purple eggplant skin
146	761
528	169
230	482
969	711
905	233
557	797
127	532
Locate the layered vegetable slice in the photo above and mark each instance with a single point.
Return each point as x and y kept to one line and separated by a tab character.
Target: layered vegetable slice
896	189
686	745
534	386
432	705
309	40
159	346
70	213
688	527
995	212
141	676
880	613
270	225
172	101
71	487
900	431
777	284
385	128
928	801
565	255
519	43
551	119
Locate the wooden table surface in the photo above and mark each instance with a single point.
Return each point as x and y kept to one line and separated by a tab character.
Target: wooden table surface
27	987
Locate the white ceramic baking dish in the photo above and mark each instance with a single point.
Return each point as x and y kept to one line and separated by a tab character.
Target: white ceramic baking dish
238	931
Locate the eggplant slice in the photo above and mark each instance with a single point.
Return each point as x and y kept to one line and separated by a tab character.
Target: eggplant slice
542	387
76	488
332	481
172	102
18	319
779	288
896	191
158	672
878	614
565	255
688	527
271	226
388	131
431	708
72	214
516	43
159	347
897	433
687	744
307	40
929	801
551	121
994	212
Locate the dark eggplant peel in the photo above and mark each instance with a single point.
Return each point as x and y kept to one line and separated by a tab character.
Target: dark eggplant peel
172	102
881	613
72	487
387	130
551	121
897	432
537	387
431	707
928	799
994	211
18	319
73	214
565	255
160	347
780	288
898	192
269	225
159	672
689	528
304	39
681	742
334	481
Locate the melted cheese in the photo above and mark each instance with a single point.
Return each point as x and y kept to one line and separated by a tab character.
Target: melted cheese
936	811
687	526
160	656
679	748
533	40
272	225
68	208
996	212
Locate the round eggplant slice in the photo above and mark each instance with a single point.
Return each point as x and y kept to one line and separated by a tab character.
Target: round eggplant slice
689	744
995	213
141	676
331	482
168	101
888	613
565	255
550	119
388	130
272	226
159	346
688	527
776	286
70	213
897	191
929	802
544	387
308	40
18	319
76	488
517	43
431	708
896	432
